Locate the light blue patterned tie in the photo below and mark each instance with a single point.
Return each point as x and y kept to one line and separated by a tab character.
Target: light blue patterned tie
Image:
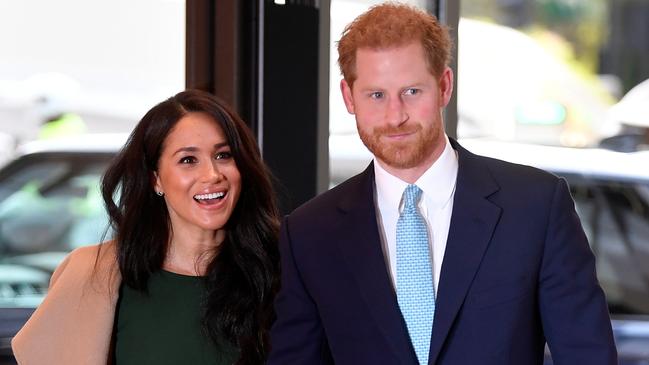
415	292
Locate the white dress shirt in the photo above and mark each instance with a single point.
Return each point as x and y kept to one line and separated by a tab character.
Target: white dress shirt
435	205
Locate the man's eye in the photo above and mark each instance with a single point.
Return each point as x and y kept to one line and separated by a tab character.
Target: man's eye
223	155
376	95
187	159
411	91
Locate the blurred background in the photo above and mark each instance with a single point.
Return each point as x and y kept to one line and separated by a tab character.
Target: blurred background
558	84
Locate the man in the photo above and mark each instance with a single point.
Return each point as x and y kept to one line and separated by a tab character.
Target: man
432	255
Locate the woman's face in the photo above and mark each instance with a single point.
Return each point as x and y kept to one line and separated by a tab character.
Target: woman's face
198	175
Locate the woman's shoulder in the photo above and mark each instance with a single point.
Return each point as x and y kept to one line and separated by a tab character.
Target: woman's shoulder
78	309
97	259
99	250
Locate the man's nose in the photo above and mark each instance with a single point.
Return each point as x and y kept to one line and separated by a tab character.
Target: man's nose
396	113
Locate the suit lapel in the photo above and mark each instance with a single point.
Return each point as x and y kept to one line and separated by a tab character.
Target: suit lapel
361	248
472	223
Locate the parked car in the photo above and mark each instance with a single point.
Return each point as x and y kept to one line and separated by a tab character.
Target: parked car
7	146
630	116
611	193
50	203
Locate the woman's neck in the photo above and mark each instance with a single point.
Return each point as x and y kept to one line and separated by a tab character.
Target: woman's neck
190	253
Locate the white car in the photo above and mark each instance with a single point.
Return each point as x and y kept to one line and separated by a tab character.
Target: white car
50	203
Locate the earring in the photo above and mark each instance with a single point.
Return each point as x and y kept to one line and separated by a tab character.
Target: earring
160	193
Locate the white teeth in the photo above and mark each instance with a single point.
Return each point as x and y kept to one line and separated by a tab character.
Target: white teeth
218	195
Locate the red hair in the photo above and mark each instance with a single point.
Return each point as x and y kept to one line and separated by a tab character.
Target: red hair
392	25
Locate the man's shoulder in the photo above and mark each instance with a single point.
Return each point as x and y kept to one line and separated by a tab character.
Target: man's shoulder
501	170
509	173
339	196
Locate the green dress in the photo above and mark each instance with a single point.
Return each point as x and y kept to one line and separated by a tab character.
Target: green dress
164	326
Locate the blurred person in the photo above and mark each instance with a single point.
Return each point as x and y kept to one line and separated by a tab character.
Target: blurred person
62	125
54	96
432	255
193	267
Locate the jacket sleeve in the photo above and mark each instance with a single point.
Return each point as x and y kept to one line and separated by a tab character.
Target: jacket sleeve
572	305
297	337
73	324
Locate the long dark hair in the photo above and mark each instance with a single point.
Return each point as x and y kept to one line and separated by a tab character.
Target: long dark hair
243	278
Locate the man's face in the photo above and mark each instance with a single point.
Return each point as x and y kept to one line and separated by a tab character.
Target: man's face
398	107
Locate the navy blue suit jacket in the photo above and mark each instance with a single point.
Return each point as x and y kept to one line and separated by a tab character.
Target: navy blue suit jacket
517	271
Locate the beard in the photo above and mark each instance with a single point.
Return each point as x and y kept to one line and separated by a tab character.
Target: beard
401	154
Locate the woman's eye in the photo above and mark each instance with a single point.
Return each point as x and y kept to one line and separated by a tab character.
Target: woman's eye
223	155
187	159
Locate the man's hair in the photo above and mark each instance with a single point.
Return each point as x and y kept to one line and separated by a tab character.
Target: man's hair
391	25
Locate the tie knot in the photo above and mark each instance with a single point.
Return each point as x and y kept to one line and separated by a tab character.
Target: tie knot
411	196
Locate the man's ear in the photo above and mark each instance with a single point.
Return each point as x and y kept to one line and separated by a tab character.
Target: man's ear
346	90
446	86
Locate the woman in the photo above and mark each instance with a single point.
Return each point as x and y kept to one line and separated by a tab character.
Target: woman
191	273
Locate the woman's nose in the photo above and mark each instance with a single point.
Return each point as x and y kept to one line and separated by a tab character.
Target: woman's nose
212	173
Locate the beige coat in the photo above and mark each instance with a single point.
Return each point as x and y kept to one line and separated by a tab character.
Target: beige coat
74	324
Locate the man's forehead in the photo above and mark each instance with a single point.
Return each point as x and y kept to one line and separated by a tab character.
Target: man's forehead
389	47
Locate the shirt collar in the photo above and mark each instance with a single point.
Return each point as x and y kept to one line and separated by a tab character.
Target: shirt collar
437	183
